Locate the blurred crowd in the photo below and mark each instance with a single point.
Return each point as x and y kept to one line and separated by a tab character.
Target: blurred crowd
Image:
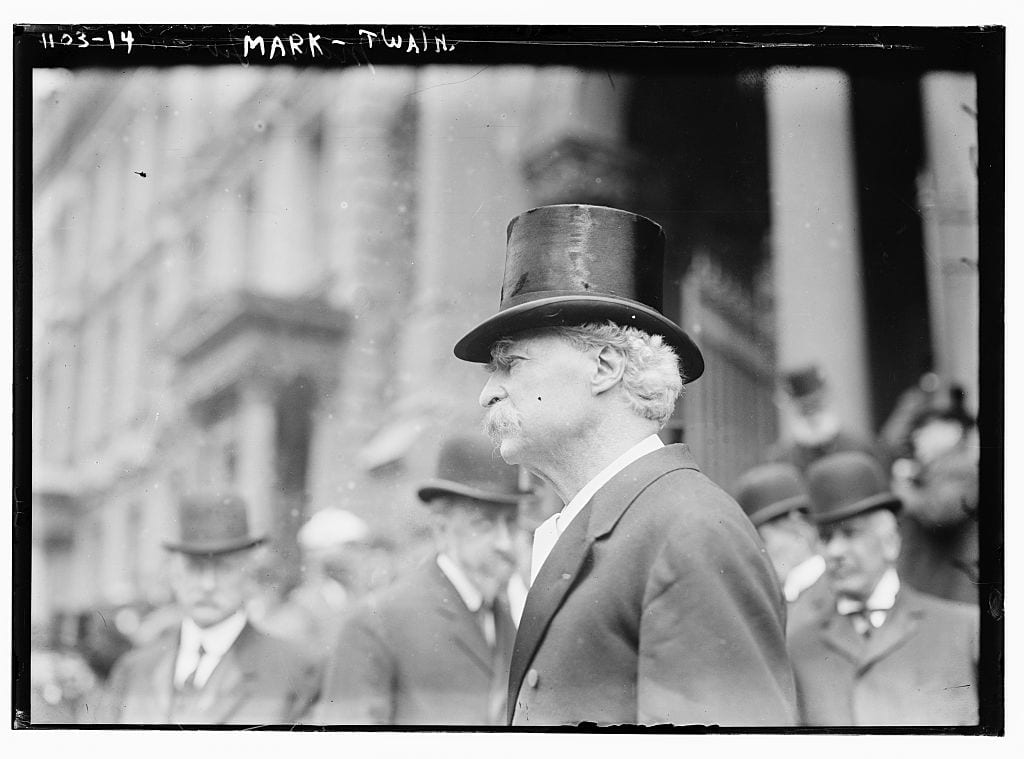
850	525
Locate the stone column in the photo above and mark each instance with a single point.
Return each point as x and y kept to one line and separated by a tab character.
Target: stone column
818	279
256	453
948	191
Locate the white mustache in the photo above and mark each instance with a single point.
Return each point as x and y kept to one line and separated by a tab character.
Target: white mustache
500	421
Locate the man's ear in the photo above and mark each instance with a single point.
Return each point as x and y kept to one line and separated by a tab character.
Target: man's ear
608	370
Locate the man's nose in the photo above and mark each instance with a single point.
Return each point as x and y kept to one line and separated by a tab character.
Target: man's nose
834	546
503	537
207	578
492	392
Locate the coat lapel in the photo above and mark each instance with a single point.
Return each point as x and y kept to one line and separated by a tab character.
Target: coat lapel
567	559
901	624
839	634
230	683
161	687
465	630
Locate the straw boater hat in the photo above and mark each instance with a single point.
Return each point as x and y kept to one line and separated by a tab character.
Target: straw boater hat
572	264
770	491
209	525
469	466
846	484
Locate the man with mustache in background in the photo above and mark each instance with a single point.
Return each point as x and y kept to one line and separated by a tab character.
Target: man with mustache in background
434	648
652	600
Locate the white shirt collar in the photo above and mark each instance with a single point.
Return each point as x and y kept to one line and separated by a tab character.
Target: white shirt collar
465	588
564	518
215	640
882	597
803	576
472	597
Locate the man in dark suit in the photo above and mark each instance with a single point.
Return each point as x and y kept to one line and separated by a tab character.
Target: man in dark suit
775	498
652	599
434	648
215	668
884	653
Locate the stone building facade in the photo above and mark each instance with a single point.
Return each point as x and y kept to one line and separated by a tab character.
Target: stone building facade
253	278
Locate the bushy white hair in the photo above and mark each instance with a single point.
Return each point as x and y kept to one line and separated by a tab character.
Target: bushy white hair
651	378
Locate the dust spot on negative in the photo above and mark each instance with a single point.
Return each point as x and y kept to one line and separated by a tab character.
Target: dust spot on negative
538	397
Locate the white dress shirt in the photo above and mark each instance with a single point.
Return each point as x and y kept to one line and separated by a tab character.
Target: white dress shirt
876	608
474	599
803	576
215	640
545	536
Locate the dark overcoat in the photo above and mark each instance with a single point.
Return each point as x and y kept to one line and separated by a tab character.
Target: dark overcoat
919	668
657	605
413	654
260	680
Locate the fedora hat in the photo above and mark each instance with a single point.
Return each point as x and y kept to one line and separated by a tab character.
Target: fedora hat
470	466
846	484
573	264
770	491
212	524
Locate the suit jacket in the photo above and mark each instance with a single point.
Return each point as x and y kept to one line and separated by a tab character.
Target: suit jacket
260	680
657	605
919	668
413	654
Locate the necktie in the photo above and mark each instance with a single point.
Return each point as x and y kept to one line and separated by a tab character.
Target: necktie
190	681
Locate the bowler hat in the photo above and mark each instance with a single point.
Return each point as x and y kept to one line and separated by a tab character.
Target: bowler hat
770	491
470	466
573	264
212	524
800	383
846	484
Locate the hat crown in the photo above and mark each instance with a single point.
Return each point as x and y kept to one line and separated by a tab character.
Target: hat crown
212	524
583	250
847	483
476	466
769	485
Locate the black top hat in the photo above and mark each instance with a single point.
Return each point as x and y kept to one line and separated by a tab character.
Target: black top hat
471	467
802	382
573	264
770	491
846	484
210	525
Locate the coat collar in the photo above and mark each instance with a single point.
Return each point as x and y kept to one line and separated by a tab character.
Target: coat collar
568	557
901	624
230	683
465	629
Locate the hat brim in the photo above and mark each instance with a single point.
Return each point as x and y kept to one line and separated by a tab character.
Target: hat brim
436	488
880	501
214	548
570	310
780	509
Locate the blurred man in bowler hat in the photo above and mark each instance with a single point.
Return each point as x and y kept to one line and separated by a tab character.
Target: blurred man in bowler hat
652	599
434	648
775	498
215	668
813	429
884	654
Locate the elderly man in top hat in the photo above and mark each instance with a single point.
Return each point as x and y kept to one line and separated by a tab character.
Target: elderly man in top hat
775	498
883	654
434	648
812	427
216	668
652	599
